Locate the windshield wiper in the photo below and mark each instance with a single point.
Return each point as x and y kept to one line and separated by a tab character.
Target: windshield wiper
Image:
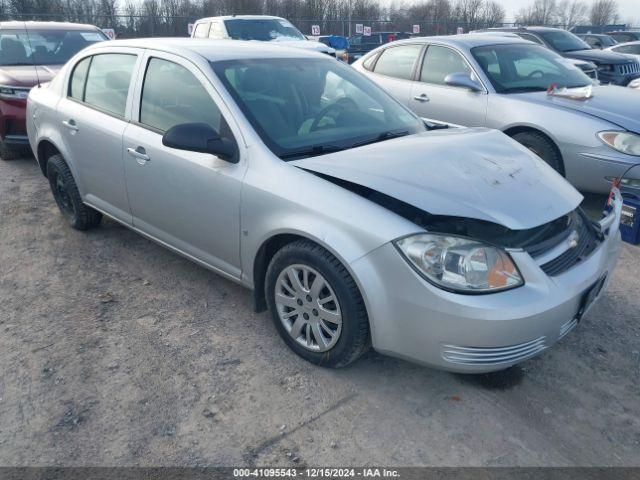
381	138
525	89
312	151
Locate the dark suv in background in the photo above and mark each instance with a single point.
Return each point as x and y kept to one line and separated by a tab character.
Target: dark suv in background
27	59
613	68
625	36
598	40
360	45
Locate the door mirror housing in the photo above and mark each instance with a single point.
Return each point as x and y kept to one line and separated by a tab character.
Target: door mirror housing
463	80
202	138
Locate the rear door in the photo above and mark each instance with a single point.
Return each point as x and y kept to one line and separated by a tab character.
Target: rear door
93	117
433	99
188	200
394	70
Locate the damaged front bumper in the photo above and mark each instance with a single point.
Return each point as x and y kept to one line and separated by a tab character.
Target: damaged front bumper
412	319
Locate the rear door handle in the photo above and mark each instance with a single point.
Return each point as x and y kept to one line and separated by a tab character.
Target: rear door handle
139	154
422	98
71	125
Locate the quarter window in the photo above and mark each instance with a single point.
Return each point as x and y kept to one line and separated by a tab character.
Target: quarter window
107	82
201	31
172	95
439	63
78	79
398	61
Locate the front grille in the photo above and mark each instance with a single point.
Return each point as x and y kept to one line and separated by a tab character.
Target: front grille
629	68
586	239
484	356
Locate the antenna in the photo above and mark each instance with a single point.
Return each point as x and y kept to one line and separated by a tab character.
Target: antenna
33	53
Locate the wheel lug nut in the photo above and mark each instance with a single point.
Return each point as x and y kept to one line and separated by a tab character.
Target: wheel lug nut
305	316
299	302
315	312
309	298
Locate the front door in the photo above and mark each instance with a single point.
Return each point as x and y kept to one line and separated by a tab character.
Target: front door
188	200
433	99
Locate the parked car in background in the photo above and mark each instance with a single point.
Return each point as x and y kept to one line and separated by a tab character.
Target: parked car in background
339	43
629	48
295	176
361	44
625	36
612	68
26	60
263	28
499	82
598	41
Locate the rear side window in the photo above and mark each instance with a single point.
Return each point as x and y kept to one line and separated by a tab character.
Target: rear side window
531	38
107	84
398	61
172	95
78	79
439	63
201	31
216	30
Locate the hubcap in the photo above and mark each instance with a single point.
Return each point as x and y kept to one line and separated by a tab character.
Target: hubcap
308	308
62	194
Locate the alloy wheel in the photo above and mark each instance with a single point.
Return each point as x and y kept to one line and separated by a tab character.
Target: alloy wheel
308	308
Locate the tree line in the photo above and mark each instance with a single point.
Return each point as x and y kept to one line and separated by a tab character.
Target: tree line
171	17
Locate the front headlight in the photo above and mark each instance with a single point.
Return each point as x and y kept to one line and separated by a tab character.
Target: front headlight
624	142
460	264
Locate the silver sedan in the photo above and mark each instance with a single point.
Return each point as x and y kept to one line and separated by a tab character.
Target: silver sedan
480	80
353	221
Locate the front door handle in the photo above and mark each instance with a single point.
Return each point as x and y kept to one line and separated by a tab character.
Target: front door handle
422	98
139	154
71	125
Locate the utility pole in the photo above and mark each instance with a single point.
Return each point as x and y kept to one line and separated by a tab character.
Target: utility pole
349	16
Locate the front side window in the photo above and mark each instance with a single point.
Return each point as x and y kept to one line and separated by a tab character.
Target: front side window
313	106
172	95
108	81
521	68
439	63
398	61
266	29
44	47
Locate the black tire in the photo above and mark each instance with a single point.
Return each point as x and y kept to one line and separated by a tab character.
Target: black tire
543	147
354	339
65	192
12	153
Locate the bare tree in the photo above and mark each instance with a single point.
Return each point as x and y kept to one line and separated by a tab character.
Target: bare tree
571	13
541	12
603	12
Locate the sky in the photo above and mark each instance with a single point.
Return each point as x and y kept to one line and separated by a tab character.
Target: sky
628	9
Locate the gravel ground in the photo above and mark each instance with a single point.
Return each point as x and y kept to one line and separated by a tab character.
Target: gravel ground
114	351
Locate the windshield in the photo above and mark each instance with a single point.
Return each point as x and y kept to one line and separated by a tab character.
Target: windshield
313	106
262	29
44	47
607	41
563	41
523	68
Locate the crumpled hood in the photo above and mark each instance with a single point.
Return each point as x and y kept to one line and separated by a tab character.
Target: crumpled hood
305	45
599	56
618	105
473	173
25	76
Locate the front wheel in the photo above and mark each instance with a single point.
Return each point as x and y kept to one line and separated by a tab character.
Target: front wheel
316	305
542	147
66	194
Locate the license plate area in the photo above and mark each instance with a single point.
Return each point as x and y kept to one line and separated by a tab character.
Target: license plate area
589	296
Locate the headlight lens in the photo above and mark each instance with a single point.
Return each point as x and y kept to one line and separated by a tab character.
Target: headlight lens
460	264
624	142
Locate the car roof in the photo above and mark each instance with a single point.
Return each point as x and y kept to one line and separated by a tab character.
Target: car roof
46	25
239	17
212	50
468	40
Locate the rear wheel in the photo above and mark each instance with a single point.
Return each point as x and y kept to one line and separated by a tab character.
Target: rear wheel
316	305
542	147
65	192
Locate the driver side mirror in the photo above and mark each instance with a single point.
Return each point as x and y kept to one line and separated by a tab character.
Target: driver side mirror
463	80
202	138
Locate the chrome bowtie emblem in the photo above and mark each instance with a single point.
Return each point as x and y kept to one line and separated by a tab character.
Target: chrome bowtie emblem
573	239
